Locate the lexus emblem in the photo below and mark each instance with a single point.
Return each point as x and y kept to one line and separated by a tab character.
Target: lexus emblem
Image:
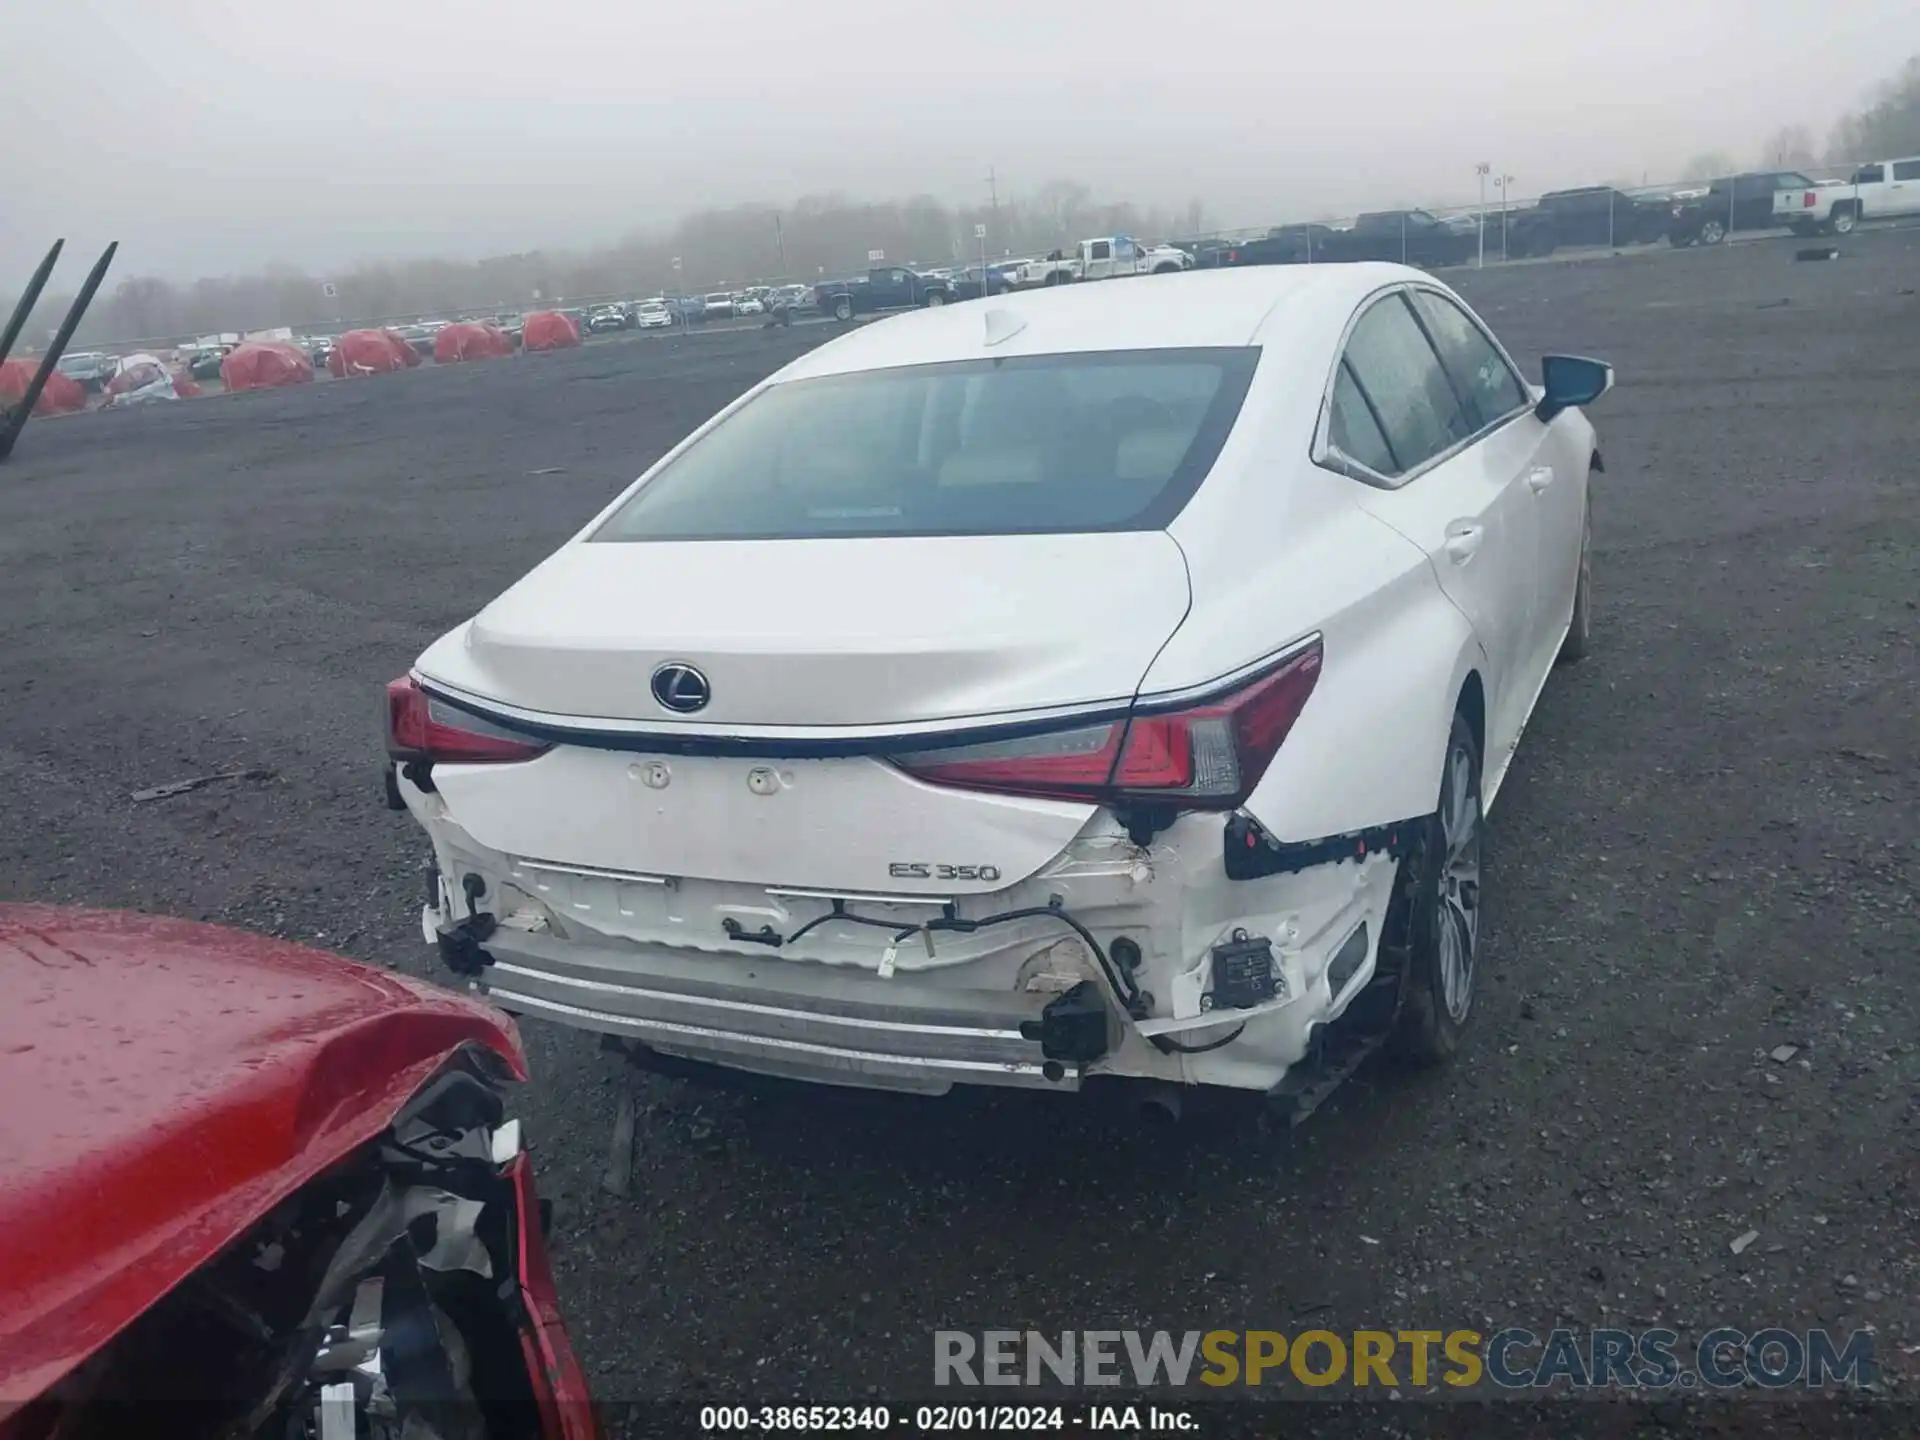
681	688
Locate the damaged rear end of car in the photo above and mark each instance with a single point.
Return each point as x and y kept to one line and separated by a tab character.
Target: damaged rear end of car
929	782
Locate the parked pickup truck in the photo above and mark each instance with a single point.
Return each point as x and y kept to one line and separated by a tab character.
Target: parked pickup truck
1736	202
1882	190
886	287
1103	258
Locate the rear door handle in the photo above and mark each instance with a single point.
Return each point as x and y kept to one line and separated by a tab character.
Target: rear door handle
1539	478
1463	539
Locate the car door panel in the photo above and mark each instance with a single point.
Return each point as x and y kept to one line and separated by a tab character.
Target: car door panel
1565	457
1903	189
1476	525
1466	505
1541	461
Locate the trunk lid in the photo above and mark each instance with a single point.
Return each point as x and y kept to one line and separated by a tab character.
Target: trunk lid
800	636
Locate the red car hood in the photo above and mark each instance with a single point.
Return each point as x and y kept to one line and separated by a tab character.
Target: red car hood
162	1086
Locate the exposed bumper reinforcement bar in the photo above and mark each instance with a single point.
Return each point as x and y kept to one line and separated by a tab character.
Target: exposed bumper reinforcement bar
775	1017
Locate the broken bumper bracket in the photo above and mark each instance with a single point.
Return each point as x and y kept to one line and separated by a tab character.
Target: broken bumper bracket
1251	853
461	942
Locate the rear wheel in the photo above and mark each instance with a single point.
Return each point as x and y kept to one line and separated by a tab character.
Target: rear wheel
935	299
1441	911
843	307
1845	217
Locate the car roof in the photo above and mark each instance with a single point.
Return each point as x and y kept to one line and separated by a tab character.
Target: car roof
1194	309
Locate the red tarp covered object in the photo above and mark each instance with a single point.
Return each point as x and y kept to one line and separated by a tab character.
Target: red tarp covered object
470	340
370	352
549	330
62	396
265	364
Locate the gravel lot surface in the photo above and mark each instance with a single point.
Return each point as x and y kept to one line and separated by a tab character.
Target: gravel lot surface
1706	850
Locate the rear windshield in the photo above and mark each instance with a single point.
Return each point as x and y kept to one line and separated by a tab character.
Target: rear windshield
1108	440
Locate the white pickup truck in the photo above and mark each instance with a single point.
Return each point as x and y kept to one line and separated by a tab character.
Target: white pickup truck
1102	259
1883	190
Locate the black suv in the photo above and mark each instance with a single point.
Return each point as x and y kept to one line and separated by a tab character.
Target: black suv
1739	202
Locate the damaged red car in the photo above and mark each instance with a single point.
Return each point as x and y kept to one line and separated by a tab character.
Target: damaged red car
251	1189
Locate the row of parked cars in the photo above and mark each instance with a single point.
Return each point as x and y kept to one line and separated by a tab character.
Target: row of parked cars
1596	215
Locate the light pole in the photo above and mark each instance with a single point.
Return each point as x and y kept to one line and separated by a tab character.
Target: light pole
1482	170
1503	182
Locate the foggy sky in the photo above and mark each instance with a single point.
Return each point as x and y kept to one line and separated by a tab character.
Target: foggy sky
213	137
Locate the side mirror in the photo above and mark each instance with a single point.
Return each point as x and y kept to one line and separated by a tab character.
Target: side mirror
1569	380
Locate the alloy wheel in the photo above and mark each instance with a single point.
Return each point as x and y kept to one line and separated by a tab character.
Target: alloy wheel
1458	913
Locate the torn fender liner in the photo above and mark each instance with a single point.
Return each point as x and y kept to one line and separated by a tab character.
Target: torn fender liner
1252	853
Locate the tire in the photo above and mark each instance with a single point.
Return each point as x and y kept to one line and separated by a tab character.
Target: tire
1442	910
1712	232
843	307
1843	220
1055	277
1580	631
935	299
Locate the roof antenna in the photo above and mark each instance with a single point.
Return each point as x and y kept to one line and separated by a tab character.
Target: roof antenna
1003	325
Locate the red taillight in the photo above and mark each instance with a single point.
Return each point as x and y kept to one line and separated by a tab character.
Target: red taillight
1207	756
1808	200
421	727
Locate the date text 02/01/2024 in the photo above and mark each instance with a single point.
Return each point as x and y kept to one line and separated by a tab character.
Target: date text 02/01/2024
942	1419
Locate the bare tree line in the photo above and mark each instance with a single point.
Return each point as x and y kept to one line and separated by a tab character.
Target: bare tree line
1887	127
821	234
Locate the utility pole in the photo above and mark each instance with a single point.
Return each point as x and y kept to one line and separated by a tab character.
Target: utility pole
993	196
1483	169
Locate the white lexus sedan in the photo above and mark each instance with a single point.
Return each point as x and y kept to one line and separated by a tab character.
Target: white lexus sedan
1098	682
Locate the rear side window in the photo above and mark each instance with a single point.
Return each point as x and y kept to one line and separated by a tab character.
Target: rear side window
1906	169
1353	427
1870	175
1110	440
1398	373
1480	374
